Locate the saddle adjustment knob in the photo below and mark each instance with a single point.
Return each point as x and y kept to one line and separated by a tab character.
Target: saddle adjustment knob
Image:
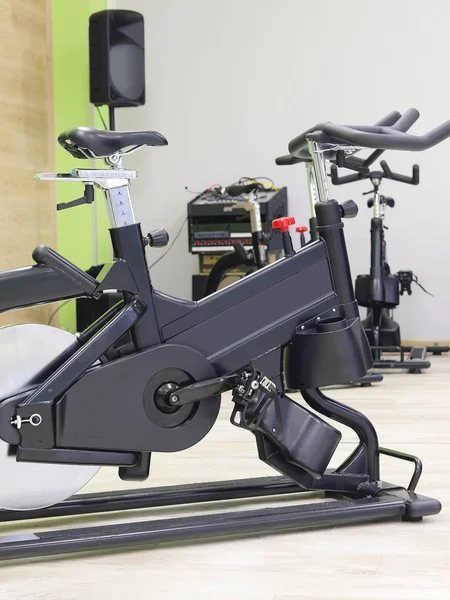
302	230
157	238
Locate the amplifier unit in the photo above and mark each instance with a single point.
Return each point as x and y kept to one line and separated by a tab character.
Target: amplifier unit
216	221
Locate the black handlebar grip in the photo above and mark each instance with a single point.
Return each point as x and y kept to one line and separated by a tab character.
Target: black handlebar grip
288	160
407	120
389	119
43	255
414	180
336	180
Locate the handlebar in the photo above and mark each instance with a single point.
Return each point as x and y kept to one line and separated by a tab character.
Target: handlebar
336	180
298	147
384	135
386	173
414	180
288	160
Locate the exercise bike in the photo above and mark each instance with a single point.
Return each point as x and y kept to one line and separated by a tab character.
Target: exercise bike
73	403
380	291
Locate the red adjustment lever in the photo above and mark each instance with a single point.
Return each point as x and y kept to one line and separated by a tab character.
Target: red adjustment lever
301	229
283	224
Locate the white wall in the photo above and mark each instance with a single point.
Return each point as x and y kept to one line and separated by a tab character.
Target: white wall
230	82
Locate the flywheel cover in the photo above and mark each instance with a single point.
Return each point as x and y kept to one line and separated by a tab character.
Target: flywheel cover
24	351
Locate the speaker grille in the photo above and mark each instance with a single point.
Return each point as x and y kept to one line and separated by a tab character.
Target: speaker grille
117	58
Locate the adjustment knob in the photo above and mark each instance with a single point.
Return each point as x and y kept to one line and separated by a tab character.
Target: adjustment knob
157	238
283	224
349	209
301	229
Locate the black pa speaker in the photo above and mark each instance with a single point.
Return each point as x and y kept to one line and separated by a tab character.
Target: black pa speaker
116	58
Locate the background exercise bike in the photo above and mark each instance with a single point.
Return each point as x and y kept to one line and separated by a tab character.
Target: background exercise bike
85	401
380	291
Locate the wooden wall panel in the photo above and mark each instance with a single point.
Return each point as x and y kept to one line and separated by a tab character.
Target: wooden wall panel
27	207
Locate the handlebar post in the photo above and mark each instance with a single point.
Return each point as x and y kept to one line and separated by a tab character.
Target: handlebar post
312	187
376	199
314	234
320	171
330	228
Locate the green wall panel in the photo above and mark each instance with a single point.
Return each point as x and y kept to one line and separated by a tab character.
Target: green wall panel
79	227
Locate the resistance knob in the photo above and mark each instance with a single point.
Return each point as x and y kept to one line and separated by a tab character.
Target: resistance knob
302	230
283	225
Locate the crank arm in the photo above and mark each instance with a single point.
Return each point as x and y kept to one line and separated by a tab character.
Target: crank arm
202	390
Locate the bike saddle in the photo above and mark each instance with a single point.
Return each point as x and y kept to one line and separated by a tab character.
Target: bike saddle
87	142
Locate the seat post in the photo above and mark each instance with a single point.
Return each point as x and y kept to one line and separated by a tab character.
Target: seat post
120	207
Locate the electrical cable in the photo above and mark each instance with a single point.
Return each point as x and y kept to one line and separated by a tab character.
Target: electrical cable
171	245
52	316
258	180
416	280
101	117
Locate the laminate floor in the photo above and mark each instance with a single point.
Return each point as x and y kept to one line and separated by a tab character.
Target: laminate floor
405	561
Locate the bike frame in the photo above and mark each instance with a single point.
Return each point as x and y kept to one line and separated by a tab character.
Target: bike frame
274	296
252	321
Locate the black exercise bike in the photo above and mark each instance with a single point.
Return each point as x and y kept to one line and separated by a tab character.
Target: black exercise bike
379	292
72	403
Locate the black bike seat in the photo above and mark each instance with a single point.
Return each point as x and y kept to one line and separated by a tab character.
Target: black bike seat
87	142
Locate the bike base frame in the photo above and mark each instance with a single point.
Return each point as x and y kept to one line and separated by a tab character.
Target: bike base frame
392	502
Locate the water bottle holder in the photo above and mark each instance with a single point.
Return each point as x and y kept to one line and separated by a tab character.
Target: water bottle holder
334	350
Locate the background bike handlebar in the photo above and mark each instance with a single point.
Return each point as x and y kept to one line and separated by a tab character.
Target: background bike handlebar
288	160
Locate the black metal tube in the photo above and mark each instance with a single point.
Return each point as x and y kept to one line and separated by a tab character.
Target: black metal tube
86	355
287	243
351	418
159	496
376	259
97	325
43	255
127	243
112	118
257	243
409	457
330	228
314	234
261	521
35	285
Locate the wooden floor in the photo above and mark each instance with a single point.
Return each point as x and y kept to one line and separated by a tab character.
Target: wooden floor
402	561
